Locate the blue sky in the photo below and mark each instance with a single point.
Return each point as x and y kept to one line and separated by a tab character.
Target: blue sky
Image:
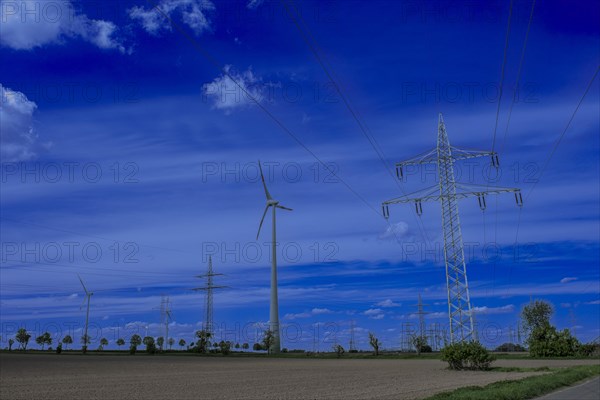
128	156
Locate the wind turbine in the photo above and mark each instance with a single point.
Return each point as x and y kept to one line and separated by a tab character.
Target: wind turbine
88	296
274	311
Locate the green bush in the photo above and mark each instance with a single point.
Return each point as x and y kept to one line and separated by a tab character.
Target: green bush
546	341
589	350
467	355
59	348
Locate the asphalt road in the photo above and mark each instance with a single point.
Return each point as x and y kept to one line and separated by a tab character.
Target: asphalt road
589	390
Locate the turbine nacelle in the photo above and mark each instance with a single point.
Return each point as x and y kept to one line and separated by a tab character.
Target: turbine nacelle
271	202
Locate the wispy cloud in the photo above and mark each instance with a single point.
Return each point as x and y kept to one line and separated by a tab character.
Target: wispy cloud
494	310
308	314
568	279
374	313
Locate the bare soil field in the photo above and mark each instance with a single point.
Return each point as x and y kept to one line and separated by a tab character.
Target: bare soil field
39	376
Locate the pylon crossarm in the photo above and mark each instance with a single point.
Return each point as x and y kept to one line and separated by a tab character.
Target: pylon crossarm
428	157
211	287
415	196
464	154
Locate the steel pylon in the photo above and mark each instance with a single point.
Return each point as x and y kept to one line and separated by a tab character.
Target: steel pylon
448	192
207	325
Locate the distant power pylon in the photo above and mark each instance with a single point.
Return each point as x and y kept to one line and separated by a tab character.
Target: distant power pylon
207	326
573	321
448	192
165	313
352	346
421	314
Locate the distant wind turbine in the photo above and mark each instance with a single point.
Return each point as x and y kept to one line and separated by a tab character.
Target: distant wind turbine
274	311
88	296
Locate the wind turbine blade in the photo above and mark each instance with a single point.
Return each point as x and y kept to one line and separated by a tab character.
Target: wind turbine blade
84	288
262	177
262	220
283	208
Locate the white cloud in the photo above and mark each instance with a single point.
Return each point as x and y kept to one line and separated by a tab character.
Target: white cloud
388	303
227	95
399	230
494	310
308	314
568	279
17	136
594	302
194	13
374	313
28	24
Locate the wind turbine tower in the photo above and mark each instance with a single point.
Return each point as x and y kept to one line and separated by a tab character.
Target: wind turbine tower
88	296
448	192
208	288
274	309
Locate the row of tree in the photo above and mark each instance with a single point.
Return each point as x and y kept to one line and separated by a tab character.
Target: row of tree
152	345
543	339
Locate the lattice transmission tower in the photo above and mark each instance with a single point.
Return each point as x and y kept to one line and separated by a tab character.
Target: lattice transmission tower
448	192
352	346
208	288
165	314
421	313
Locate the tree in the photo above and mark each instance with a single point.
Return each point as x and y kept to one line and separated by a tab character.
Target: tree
44	339
171	342
339	350
85	340
506	347
23	338
10	344
160	341
543	339
245	346
67	340
536	315
181	343
204	341
225	347
103	342
257	347
150	344
120	342
135	340
374	342
267	340
420	343
237	346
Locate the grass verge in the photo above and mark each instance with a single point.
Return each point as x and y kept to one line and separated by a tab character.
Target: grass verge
523	388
